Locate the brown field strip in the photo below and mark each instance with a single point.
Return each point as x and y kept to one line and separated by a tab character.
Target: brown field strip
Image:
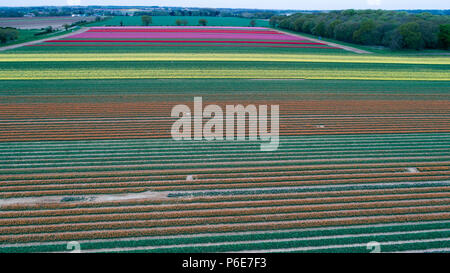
181	206
162	170
314	179
223	185
396	118
200	177
220	219
136	232
384	194
33	222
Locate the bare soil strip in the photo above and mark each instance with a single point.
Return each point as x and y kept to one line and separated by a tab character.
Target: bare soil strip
90	198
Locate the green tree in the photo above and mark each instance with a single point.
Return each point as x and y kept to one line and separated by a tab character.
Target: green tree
178	22
319	29
202	22
344	31
184	22
308	26
349	12
66	26
274	21
411	35
285	23
393	39
430	33
371	27
146	20
298	24
8	34
331	27
444	36
365	34
253	23
48	29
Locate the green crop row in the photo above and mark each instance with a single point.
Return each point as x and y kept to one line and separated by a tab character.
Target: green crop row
326	243
248	157
188	88
245	163
206	69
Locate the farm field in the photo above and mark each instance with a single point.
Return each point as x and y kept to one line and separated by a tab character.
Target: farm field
28	35
199	53
170	21
87	155
40	22
25	35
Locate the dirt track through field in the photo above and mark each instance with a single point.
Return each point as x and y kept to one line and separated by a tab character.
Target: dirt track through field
43	40
348	48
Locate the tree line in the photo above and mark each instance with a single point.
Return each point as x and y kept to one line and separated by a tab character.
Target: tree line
150	11
148	20
393	29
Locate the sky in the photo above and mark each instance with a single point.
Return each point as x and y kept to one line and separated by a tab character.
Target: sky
258	4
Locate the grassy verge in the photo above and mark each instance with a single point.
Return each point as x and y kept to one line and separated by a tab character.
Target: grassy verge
378	50
27	35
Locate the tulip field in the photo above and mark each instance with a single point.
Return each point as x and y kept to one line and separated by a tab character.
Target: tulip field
185	36
87	154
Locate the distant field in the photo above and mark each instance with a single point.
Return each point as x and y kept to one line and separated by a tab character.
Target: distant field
185	36
186	39
86	152
25	35
173	49
40	22
269	62
170	21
